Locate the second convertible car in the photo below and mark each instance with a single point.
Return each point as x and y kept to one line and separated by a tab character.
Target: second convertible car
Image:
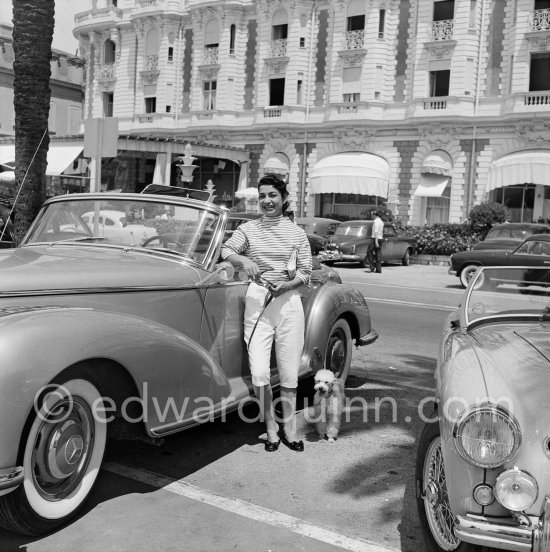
482	473
101	337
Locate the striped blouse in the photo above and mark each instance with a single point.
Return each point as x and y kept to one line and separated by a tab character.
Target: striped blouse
268	241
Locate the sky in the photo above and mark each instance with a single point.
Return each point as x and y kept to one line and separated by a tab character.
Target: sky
65	11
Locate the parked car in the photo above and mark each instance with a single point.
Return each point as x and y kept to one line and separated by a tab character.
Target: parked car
509	235
100	337
533	251
352	239
320	226
6	226
482	477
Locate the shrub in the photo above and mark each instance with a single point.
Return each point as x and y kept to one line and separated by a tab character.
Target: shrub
484	216
441	239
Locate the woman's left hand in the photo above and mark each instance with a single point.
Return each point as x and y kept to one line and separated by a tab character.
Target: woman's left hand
279	288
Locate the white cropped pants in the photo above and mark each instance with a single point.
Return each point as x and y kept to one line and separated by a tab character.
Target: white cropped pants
282	321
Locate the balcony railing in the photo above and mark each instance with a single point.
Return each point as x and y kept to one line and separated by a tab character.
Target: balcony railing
435	103
151	63
110	13
278	47
442	30
272	112
210	55
539	20
537	98
354	40
107	72
348	107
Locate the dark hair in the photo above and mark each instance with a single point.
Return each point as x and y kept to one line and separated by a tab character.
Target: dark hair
278	183
374	213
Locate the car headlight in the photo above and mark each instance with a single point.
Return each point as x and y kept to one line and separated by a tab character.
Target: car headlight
487	436
516	490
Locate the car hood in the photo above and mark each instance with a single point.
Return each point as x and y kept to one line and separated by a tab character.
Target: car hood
40	268
515	360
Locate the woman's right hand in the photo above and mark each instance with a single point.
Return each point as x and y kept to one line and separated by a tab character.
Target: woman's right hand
250	267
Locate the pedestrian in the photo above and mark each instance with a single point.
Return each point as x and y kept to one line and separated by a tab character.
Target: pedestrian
373	252
275	253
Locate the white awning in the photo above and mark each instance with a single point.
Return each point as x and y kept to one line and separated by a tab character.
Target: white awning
431	185
351	173
526	167
7	155
277	164
7	176
60	157
438	162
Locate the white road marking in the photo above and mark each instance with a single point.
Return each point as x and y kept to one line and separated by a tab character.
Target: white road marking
393	382
246	509
412	303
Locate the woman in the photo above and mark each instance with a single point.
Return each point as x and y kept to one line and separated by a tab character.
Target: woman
277	250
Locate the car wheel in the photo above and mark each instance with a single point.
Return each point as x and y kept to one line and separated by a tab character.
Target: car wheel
406	260
61	454
432	501
364	262
467	273
339	349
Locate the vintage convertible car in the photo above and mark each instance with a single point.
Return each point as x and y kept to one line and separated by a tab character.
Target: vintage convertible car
352	240
482	471
100	337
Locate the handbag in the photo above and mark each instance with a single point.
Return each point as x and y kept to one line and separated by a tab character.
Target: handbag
292	262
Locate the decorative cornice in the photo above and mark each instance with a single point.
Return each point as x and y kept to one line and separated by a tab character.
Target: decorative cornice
353	57
439	48
150	76
536	133
210	70
277	64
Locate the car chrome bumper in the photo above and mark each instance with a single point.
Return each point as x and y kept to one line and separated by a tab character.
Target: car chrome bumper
349	258
507	534
330	257
367	339
11	478
451	271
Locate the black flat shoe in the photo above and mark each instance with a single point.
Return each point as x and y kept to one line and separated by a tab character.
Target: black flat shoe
272	447
297	446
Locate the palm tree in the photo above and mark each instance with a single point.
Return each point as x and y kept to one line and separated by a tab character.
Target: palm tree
33	23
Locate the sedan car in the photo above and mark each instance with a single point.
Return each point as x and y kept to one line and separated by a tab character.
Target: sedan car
482	477
100	337
320	226
510	235
533	251
352	239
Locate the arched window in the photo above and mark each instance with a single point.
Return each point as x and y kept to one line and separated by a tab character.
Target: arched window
232	33
212	34
152	50
280	25
109	51
356	16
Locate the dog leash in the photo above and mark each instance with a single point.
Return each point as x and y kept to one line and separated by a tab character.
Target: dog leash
268	298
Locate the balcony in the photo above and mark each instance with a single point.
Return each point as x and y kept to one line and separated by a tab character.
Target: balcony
151	72
107	76
97	19
210	67
353	51
538	29
278	47
440	41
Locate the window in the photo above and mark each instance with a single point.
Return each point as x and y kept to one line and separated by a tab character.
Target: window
280	32
439	83
170	53
299	93
109	52
444	10
381	23
539	75
302	42
232	33
473	14
277	92
108	98
351	97
356	23
150	105
209	95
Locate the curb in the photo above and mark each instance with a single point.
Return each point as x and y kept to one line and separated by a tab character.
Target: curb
437	260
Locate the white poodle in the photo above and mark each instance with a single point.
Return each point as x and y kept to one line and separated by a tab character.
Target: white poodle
328	404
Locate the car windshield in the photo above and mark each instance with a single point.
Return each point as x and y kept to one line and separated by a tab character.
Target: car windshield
508	292
500	232
179	229
353	230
